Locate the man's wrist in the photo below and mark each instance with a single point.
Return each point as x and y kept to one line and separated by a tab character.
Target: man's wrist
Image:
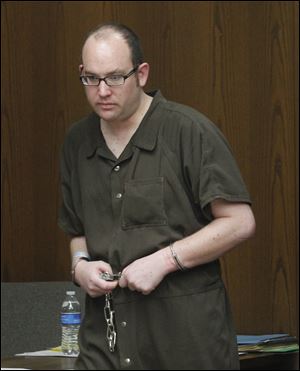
169	264
176	259
77	257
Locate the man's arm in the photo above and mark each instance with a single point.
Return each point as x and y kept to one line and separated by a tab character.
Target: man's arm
87	274
78	244
233	223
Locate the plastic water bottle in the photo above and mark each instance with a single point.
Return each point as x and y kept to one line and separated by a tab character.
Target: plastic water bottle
70	322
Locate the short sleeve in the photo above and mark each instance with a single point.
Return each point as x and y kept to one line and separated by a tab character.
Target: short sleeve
69	219
215	173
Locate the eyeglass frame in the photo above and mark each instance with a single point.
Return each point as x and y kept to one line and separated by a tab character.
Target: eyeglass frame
125	77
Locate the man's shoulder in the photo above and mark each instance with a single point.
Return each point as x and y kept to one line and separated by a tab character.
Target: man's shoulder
183	122
80	127
186	116
81	130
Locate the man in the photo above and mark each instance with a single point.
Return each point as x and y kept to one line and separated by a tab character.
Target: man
152	197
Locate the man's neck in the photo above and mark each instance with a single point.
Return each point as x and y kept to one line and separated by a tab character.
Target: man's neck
129	125
118	134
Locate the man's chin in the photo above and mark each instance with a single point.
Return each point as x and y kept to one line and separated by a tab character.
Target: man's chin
106	115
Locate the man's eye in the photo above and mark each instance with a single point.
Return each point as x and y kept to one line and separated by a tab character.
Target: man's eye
114	77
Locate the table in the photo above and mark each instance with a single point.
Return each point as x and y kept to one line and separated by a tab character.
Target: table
254	361
39	363
270	361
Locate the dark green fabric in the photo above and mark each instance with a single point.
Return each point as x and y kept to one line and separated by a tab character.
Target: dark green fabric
157	192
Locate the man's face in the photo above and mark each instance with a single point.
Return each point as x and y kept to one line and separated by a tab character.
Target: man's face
106	56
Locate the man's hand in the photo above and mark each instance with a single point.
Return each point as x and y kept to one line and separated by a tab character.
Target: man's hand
87	274
145	274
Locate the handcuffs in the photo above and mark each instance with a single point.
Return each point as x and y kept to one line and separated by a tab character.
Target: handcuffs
110	276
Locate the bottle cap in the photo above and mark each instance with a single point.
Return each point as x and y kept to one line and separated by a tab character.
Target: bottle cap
70	292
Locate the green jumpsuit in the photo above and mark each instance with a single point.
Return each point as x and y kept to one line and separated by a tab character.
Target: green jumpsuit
157	192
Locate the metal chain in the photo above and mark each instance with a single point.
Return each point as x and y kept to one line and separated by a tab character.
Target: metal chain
109	313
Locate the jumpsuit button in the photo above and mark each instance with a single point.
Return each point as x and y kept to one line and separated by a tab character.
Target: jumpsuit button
117	168
127	361
119	195
123	323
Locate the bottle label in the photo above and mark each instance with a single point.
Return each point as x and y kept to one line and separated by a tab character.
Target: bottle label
70	318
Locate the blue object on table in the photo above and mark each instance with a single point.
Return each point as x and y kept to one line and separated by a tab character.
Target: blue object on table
259	339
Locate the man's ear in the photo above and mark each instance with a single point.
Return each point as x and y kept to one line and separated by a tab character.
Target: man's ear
143	73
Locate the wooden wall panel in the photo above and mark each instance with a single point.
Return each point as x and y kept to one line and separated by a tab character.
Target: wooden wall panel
237	62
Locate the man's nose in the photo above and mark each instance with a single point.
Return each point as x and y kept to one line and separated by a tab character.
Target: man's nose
103	89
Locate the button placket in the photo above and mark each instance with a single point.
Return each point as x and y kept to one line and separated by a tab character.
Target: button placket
126	330
116	189
127	361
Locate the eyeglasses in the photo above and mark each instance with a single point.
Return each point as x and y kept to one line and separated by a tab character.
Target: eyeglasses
113	80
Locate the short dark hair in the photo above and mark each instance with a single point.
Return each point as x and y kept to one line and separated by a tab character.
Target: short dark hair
127	34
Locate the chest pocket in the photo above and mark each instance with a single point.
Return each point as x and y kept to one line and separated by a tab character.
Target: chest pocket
143	203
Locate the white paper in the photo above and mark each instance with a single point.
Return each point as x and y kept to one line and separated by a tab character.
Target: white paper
15	368
46	353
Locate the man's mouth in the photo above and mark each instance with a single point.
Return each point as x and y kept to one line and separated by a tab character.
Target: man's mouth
106	105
